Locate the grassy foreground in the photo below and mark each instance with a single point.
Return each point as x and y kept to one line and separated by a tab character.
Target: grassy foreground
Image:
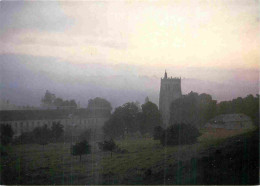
31	164
149	155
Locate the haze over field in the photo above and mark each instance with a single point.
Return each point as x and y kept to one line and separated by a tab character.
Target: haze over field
119	50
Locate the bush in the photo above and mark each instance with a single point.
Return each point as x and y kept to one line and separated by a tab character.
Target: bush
81	148
157	133
179	134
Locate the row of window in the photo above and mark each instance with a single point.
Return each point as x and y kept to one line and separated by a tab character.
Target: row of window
28	124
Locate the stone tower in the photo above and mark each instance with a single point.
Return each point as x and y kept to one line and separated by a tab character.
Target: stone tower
169	91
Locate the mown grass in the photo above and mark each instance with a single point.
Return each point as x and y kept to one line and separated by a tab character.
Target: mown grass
55	165
150	154
214	137
144	154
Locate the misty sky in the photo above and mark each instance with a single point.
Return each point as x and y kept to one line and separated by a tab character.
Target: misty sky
120	49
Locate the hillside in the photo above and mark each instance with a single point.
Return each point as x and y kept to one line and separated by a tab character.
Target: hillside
233	160
236	161
218	157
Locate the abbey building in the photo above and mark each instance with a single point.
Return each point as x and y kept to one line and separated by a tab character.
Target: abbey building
170	90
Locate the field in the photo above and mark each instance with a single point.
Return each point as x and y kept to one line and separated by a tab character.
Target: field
52	165
33	164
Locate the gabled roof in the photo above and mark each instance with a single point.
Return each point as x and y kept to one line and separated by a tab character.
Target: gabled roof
230	118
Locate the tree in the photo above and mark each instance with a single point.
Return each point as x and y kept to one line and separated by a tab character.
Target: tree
86	135
56	130
248	106
72	103
58	102
150	118
114	127
48	98
99	102
6	134
80	149
158	132
193	108
65	103
129	112
108	146
123	120
146	99
42	135
179	134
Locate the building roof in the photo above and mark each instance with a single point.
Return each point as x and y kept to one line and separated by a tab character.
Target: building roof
230	118
20	115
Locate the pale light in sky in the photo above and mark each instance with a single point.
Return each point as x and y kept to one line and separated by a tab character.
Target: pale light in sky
172	33
209	40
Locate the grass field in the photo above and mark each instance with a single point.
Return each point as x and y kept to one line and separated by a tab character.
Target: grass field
31	164
147	154
52	165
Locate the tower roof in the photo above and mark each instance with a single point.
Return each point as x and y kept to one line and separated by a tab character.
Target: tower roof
165	74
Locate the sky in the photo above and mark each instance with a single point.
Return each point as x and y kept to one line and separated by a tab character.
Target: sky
94	45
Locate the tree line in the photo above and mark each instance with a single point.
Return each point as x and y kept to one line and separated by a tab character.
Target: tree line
248	105
191	109
130	118
50	99
197	109
42	135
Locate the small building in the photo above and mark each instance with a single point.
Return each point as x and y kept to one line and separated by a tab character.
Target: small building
230	121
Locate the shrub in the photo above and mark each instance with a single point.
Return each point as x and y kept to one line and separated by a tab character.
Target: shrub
80	149
179	134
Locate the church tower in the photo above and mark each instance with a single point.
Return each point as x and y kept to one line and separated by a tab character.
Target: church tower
170	90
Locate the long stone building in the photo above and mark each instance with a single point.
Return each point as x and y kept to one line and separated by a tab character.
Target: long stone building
77	120
170	90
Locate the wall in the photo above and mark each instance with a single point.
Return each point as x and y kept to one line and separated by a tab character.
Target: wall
78	125
170	90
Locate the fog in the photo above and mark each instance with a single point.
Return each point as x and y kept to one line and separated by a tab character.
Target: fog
120	50
24	80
